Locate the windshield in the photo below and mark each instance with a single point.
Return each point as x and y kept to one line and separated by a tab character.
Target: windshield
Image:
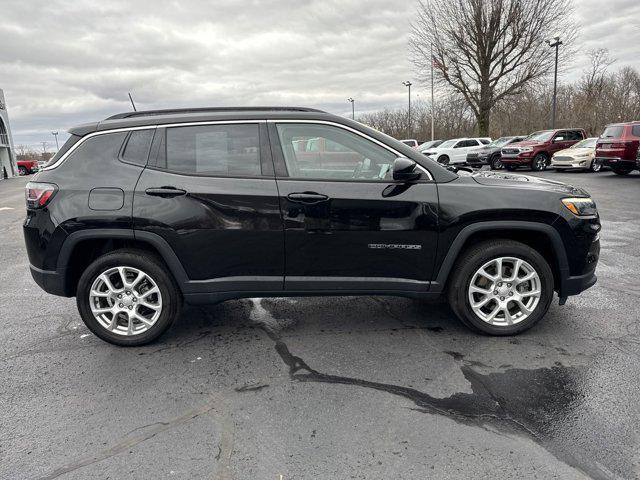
586	143
542	136
448	144
498	142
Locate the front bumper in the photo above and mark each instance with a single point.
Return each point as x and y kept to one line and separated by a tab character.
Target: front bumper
573	163
579	283
516	159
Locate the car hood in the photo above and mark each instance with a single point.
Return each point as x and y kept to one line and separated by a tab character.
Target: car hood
526	181
572	152
523	144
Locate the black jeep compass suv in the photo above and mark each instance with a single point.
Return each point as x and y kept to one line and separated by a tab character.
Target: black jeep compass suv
146	210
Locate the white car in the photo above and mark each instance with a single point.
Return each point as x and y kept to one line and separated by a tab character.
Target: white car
581	155
454	151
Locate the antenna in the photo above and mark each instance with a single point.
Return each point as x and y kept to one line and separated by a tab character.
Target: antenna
132	104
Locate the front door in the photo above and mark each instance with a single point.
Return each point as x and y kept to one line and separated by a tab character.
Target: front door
210	193
348	225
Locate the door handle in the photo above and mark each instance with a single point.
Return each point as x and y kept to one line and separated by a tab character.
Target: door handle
165	191
307	197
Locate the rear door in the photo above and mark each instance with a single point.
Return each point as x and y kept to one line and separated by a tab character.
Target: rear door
348	225
211	195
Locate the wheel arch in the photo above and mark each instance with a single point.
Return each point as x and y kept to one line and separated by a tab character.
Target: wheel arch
542	237
83	247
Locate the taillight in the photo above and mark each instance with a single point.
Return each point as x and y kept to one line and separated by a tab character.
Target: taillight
618	145
39	194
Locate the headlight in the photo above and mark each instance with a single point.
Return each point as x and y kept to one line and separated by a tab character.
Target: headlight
526	149
582	207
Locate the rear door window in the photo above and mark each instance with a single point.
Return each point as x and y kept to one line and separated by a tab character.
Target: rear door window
612	131
231	150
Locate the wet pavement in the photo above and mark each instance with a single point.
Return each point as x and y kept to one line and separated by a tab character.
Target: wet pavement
337	387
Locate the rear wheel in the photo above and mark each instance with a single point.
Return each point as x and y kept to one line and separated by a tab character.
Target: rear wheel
495	163
501	287
128	298
621	170
22	170
539	162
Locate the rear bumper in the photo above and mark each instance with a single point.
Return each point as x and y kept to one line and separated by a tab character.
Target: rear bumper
49	280
617	162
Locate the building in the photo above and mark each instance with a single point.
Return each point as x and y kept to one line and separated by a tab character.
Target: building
7	155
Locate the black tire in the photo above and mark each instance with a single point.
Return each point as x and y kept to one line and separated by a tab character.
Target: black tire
472	259
595	166
443	160
621	170
539	162
22	170
495	162
152	266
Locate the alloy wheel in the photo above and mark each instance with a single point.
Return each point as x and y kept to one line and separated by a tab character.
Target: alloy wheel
125	300
504	291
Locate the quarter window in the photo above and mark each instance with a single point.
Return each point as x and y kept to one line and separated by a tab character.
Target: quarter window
219	150
137	147
325	152
635	131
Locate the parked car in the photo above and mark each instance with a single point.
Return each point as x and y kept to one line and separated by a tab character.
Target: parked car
619	147
535	151
454	151
581	155
146	210
26	167
412	142
423	147
490	154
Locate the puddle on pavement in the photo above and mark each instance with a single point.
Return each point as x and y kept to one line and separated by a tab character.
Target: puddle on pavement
541	404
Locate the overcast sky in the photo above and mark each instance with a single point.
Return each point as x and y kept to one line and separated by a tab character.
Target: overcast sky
67	62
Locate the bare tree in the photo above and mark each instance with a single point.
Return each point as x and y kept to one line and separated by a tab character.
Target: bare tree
488	50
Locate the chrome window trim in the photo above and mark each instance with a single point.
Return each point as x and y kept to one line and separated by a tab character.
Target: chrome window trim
143	127
357	132
226	122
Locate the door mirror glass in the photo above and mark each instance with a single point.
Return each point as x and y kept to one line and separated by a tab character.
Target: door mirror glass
404	170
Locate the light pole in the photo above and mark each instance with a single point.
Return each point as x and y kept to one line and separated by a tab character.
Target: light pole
353	108
554	42
55	134
408	85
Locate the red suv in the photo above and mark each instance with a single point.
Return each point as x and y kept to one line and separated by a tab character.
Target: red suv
618	147
535	151
25	167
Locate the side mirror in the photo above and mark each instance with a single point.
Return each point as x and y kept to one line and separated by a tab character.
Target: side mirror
404	170
558	139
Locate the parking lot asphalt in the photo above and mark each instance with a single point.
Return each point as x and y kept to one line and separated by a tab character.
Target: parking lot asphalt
336	387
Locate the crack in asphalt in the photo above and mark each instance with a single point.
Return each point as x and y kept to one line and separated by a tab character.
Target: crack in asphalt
152	430
479	408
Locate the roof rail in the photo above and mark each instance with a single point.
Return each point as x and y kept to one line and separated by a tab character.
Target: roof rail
171	111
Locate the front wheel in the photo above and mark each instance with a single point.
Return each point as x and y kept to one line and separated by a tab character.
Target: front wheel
22	170
128	297
501	287
595	166
539	162
495	163
443	160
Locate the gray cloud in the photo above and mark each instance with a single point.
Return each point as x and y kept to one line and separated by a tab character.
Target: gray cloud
63	63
